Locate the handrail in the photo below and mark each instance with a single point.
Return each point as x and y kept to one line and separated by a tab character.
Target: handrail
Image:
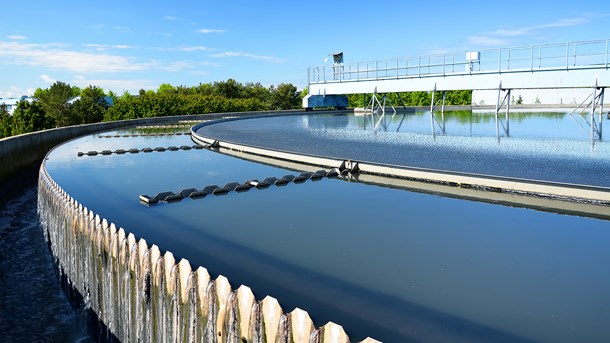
590	54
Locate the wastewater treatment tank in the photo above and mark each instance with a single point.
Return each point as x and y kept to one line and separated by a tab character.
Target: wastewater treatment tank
388	258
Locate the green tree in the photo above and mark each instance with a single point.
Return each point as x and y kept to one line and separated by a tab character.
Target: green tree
90	107
5	122
29	117
165	88
229	89
56	101
285	97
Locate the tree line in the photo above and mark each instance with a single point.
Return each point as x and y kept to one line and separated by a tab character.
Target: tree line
62	104
458	97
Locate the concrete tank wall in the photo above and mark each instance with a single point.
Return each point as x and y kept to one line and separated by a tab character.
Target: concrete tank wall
140	294
136	292
21	151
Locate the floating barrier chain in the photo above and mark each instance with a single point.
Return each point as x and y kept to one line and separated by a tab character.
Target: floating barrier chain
146	134
154	127
194	193
135	151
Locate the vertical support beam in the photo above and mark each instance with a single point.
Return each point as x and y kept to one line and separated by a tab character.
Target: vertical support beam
601	112
507	111
432	112
532	58
443	111
498	110
567	56
404	107
593	103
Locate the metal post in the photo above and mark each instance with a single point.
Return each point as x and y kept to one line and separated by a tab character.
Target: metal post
593	103
508	60
443	111
507	116
601	112
574	54
497	110
376	70
532	57
453	63
308	77
567	56
397	68
499	60
418	66
606	53
432	112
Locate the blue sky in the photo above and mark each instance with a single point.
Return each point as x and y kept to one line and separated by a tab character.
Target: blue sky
128	45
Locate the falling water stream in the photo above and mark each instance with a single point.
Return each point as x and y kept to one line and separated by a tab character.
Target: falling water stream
32	306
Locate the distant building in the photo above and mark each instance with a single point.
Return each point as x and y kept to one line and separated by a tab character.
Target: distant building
107	99
11	103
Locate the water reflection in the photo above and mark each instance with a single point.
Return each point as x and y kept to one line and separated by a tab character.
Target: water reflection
423	267
542	145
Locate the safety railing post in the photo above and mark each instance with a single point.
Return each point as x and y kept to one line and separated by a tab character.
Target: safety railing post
606	54
567	56
376	70
396	68
499	60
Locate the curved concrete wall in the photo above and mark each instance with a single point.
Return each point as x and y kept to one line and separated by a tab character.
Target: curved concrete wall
21	151
140	294
136	292
538	188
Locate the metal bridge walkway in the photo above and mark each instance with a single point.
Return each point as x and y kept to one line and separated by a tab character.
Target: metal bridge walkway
582	64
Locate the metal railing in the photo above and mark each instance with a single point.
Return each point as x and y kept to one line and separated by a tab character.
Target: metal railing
562	56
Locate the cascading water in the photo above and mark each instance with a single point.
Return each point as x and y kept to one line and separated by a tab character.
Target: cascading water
138	294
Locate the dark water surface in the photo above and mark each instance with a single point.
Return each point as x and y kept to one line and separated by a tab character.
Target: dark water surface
32	306
386	263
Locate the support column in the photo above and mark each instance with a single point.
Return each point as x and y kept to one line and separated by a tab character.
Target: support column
601	112
443	112
432	113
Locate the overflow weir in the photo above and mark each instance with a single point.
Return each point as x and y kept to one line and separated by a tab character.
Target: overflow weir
140	292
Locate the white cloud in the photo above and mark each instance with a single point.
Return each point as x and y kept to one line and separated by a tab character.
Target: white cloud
560	23
210	31
249	55
15	92
17	37
105	47
57	57
487	41
194	48
117	86
499	37
169	17
510	33
47	79
177	66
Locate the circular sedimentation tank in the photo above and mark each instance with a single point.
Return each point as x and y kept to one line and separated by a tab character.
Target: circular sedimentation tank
225	235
